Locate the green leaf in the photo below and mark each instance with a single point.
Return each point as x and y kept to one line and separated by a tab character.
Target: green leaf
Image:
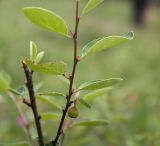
16	144
64	80
48	101
54	68
46	19
52	94
91	5
96	93
50	116
39	57
99	84
38	86
91	123
4	81
14	92
105	43
33	50
82	101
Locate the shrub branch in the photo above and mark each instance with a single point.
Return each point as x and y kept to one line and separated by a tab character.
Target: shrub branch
33	105
70	92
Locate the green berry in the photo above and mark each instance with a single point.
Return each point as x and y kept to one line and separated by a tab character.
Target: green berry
73	112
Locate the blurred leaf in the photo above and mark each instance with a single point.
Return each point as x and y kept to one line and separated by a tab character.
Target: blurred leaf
91	5
64	80
99	84
54	68
121	118
4	81
21	90
14	91
97	93
50	116
49	102
33	51
105	43
82	101
52	94
39	57
16	144
46	19
91	123
38	86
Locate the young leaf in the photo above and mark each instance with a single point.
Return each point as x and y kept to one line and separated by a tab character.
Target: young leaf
96	93
91	123
91	5
46	19
82	101
54	68
50	116
99	84
33	50
49	102
16	144
39	57
4	81
105	43
52	94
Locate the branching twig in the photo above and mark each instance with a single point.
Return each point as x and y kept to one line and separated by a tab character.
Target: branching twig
33	105
77	18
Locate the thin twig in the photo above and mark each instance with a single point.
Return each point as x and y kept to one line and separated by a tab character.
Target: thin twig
26	127
29	85
71	77
64	130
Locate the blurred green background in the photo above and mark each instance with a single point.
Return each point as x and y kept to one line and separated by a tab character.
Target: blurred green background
132	108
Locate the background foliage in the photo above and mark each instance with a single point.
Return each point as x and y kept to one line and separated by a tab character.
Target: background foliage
132	107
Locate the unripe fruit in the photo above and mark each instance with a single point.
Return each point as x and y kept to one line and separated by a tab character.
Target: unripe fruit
73	112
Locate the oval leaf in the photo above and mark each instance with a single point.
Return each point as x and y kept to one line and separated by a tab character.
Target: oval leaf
49	102
105	43
46	19
91	123
99	84
91	5
82	101
96	93
39	57
33	51
54	68
52	94
50	116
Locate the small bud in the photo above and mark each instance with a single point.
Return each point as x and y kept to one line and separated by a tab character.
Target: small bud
73	112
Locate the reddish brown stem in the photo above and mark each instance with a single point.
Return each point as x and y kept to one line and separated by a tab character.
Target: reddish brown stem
71	77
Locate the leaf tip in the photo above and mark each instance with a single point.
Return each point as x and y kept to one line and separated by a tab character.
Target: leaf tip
130	35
